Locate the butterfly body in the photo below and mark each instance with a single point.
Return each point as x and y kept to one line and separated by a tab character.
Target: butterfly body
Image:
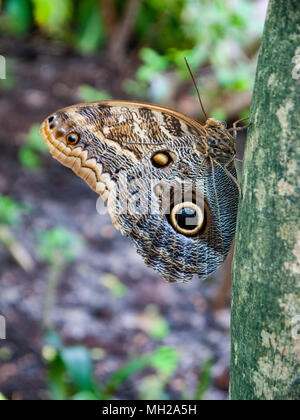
157	170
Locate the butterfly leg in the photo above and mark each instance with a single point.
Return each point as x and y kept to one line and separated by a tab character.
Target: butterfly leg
233	158
235	127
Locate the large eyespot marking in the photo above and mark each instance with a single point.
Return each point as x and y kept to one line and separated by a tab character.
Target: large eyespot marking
187	218
72	139
162	159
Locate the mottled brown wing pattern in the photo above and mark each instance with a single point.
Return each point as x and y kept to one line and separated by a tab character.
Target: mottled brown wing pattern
135	126
111	145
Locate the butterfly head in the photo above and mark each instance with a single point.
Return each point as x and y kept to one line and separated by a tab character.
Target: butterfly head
214	123
61	134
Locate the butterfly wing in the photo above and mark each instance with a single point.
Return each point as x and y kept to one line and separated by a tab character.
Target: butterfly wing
145	217
114	135
116	141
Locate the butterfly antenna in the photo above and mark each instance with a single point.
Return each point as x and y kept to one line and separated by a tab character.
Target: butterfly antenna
195	84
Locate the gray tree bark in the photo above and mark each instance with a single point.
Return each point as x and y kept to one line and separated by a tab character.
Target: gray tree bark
265	361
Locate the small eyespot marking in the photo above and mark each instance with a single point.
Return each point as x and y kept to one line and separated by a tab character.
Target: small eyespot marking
72	139
161	159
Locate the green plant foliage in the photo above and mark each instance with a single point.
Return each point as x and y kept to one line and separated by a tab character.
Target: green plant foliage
53	16
205	32
165	360
160	328
11	211
204	380
159	24
85	396
2	398
29	159
54	341
78	362
244	114
59	385
17	17
155	325
135	88
59	245
34	140
116	287
213	34
90	33
152	387
219	114
70	370
151	72
70	373
29	154
89	94
5	354
123	374
153	63
237	79
10	217
56	247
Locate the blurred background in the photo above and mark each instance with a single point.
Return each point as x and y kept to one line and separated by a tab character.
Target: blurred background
85	319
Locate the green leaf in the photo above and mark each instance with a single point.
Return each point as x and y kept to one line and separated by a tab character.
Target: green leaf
154	63
245	113
70	371
29	158
59	245
129	369
165	360
160	329
5	353
29	153
135	88
53	16
90	33
59	388
152	388
53	339
78	363
34	140
2	398
17	16
89	94
111	282
11	211
154	324
239	79
204	380
219	114
85	396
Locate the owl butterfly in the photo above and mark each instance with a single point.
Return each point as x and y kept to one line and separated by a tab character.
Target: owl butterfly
169	182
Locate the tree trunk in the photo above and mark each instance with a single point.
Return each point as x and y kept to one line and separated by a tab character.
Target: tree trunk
265	362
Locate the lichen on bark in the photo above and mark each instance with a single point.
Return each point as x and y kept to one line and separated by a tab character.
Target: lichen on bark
265	362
